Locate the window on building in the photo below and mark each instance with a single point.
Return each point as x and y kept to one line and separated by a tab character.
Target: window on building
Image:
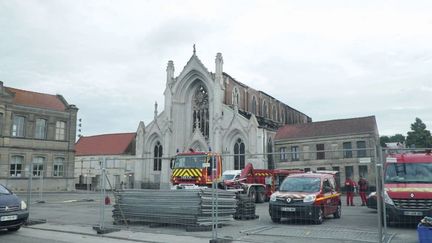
361	149
363	171
320	151
200	106
347	150
337	176
157	160
38	166
307	169
254	106
235	97
349	172
40	129
16	165
239	155
283	154
60	130
295	153
281	116
18	126
321	168
274	115
1	124
58	167
264	111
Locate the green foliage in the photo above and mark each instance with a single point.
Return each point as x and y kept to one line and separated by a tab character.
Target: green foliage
419	136
392	139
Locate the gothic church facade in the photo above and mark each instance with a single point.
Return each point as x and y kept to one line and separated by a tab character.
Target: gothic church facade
205	110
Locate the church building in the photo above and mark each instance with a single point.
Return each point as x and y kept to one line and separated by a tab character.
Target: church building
209	110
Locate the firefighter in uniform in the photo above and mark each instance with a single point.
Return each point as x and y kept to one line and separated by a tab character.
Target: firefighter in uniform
363	186
349	187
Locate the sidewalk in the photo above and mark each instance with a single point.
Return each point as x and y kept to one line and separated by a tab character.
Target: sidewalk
128	236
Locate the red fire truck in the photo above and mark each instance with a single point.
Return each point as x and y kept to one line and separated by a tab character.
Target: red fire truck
408	186
259	184
193	168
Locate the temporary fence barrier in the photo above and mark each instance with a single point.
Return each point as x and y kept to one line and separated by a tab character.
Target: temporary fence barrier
140	205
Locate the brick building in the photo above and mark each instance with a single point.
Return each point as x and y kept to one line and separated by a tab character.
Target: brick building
37	138
346	145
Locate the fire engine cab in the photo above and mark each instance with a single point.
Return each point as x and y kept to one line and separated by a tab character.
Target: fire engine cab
408	186
195	169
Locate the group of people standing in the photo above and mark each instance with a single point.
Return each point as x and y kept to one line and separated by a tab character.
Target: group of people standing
350	187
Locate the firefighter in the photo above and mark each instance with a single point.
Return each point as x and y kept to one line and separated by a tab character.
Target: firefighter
363	186
349	187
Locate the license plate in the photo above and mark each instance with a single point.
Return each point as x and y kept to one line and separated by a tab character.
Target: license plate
9	218
410	213
287	209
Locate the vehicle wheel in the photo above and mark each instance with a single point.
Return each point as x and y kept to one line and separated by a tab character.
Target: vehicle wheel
275	220
319	218
252	194
14	228
260	195
338	212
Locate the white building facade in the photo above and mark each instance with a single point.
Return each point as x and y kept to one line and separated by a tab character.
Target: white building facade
204	110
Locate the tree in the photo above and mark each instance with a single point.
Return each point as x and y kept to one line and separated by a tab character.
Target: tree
392	139
384	140
419	136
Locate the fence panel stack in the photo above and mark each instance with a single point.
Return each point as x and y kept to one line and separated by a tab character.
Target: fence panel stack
176	207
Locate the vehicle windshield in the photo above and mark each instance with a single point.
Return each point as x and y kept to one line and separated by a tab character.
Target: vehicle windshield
190	161
408	173
228	176
4	191
300	184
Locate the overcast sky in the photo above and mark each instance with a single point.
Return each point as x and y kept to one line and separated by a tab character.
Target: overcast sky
327	59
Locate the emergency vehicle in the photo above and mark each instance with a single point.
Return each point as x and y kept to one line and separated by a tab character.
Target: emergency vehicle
195	169
408	186
258	184
310	196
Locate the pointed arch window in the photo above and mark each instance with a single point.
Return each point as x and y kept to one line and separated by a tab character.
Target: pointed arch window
274	115
200	106
157	157
254	106
281	116
264	112
236	97
239	155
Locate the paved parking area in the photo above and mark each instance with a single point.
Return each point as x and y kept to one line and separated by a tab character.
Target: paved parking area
358	224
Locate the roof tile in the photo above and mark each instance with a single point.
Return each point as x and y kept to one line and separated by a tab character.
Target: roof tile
34	99
105	144
328	128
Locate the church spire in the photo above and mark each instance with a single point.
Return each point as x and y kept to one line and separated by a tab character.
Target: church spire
194	50
170	72
155	110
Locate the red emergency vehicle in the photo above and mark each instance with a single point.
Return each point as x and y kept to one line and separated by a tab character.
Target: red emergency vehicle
408	186
259	184
195	168
310	196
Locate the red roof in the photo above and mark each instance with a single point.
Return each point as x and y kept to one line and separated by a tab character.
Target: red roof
40	100
105	144
360	125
